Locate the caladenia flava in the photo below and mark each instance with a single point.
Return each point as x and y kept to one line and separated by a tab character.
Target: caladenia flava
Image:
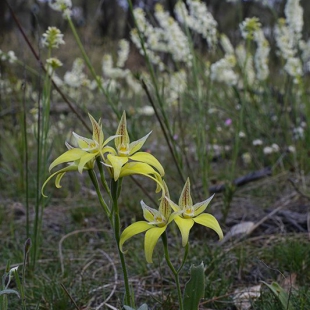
123	160
185	215
155	224
190	213
127	152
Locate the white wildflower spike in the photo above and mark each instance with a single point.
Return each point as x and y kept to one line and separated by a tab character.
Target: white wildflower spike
63	6
153	38
222	71
226	45
10	56
246	63
249	26
54	63
198	19
261	55
284	40
52	38
176	41
123	53
293	67
294	17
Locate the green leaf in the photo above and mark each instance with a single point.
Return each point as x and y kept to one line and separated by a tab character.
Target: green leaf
281	294
194	288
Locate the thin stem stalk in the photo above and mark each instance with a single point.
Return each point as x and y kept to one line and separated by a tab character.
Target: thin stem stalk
115	190
173	270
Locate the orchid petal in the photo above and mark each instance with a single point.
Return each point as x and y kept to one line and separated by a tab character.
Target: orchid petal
85	143
97	130
58	179
108	149
68	156
185	226
150	240
109	139
63	170
84	160
141	169
201	206
164	208
186	198
148	158
173	216
160	183
132	230
117	163
209	221
148	212
173	205
137	168
136	145
123	137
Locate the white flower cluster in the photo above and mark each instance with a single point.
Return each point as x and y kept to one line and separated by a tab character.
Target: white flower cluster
175	85
52	38
63	6
222	70
198	19
177	43
274	148
294	18
113	73
284	40
249	26
52	64
261	55
293	67
123	53
285	43
288	35
151	36
9	56
226	45
110	71
246	63
76	77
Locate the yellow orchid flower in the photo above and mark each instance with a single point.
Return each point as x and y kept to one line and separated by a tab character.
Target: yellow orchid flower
72	166
126	151
189	214
94	147
88	149
82	157
155	225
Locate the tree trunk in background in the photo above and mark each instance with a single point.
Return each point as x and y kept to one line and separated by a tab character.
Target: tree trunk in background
130	23
3	9
110	20
170	7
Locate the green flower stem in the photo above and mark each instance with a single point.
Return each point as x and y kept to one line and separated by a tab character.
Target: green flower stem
102	177
103	204
174	271
184	258
115	190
